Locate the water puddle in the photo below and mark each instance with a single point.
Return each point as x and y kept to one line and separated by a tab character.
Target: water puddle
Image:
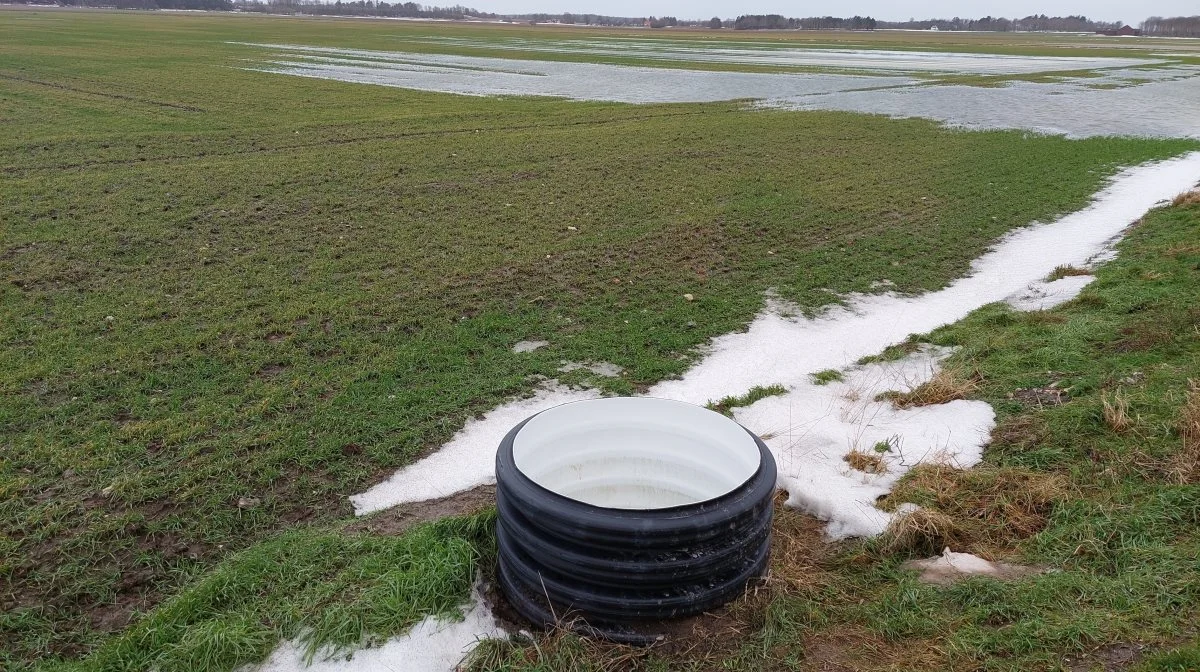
1169	107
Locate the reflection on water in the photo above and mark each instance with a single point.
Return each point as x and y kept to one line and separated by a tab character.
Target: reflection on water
759	53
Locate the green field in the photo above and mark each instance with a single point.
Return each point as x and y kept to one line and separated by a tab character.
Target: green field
233	298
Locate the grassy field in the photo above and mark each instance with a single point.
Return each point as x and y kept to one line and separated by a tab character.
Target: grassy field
233	298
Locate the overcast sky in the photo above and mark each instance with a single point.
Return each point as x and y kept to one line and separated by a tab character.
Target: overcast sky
1106	10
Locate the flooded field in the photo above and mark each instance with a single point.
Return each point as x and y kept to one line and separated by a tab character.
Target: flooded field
1112	96
750	53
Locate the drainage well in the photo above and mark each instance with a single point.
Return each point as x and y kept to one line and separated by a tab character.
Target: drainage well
617	513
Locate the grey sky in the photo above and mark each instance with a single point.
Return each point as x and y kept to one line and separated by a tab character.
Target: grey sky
1107	10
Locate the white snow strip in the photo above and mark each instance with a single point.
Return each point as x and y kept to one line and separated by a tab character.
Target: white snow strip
433	645
812	427
468	460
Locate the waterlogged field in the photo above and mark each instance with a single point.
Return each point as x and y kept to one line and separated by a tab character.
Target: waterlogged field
1078	97
233	298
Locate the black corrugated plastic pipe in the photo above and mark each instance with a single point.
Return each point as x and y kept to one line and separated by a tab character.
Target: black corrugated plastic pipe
617	513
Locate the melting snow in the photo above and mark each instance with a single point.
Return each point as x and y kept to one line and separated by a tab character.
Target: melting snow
606	369
812	427
433	645
1046	295
468	460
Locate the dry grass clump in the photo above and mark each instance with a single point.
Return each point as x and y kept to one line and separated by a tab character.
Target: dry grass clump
559	649
1187	198
981	510
923	531
1064	271
856	647
798	547
870	463
1116	412
945	386
1185	466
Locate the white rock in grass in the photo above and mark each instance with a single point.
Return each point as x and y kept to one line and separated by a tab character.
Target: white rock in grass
950	567
529	346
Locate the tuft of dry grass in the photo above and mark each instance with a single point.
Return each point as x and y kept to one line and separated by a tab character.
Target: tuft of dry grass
798	550
983	510
1116	412
1184	467
558	648
1064	271
870	463
922	531
1187	198
946	385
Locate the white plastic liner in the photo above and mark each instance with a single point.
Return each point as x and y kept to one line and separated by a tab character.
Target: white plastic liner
635	453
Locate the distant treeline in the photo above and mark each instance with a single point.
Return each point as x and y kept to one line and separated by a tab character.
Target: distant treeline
1034	23
987	23
777	22
1179	26
362	8
581	19
208	5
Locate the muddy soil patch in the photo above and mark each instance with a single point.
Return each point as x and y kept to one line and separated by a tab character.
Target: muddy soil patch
399	519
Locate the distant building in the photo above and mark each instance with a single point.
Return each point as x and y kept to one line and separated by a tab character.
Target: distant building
1123	31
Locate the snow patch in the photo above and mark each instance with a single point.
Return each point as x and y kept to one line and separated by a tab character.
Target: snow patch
1046	295
433	645
812	428
468	460
606	369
